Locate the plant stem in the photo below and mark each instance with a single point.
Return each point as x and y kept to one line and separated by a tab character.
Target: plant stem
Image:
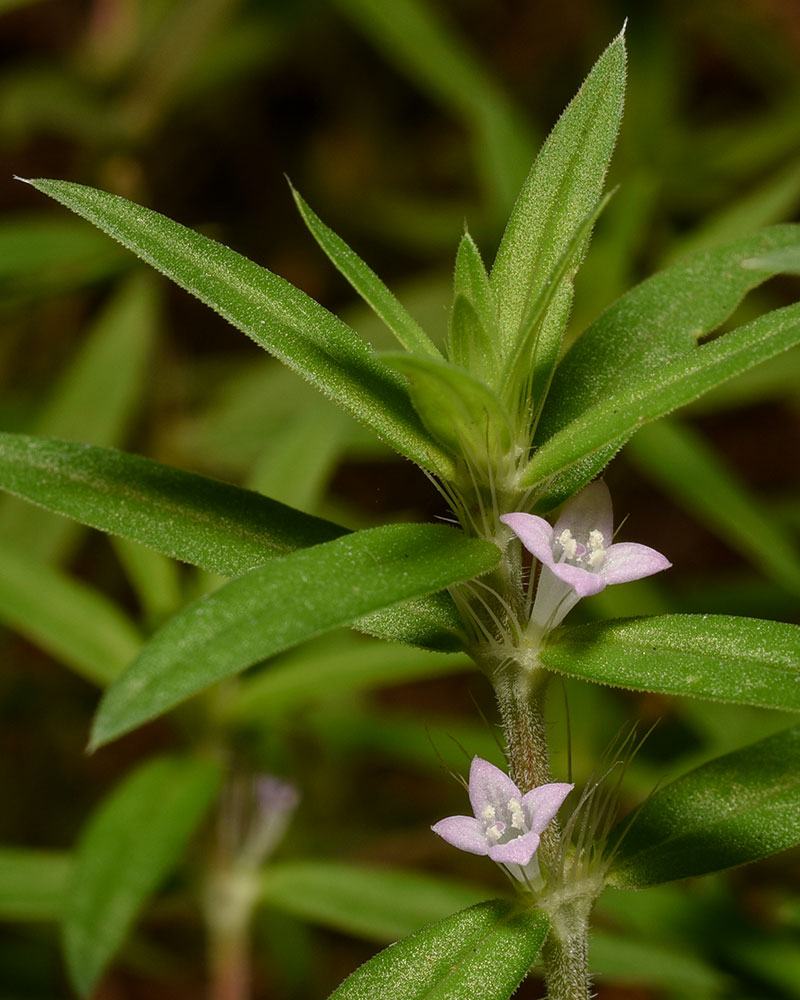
566	952
230	963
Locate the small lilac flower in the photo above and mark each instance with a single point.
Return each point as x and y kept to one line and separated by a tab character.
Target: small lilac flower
507	825
578	556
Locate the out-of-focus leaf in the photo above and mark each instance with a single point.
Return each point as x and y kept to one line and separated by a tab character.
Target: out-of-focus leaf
69	619
93	401
295	466
603	427
770	202
40	255
332	666
732	810
278	316
561	190
32	883
379	904
677	459
368	285
281	604
481	953
152	575
626	959
718	657
651	326
411	35
129	845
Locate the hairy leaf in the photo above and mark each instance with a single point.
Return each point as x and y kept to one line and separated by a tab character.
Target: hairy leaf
718	657
730	811
481	953
279	605
278	316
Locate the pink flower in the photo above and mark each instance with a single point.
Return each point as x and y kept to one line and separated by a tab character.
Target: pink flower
507	825
578	556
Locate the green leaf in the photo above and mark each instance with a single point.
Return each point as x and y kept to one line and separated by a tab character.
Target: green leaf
562	188
718	657
69	619
210	524
603	427
473	320
650	326
730	811
201	521
368	285
130	844
281	604
379	904
278	316
460	412
154	577
532	357
33	883
481	953
94	401
330	667
622	958
677	459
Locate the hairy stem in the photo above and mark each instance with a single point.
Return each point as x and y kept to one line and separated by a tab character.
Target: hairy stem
566	952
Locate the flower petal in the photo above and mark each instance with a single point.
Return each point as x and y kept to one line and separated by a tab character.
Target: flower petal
542	803
489	786
583	581
627	561
589	510
464	832
535	533
517	852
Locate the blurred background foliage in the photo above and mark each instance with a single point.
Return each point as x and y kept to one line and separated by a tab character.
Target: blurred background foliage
397	121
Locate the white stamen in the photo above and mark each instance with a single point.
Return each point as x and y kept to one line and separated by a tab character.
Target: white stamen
596	541
488	814
517	815
596	558
568	543
495	832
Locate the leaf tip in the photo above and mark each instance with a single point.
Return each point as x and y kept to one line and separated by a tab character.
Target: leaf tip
25	180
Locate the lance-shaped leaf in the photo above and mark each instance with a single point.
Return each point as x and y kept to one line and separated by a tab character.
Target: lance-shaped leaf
278	316
368	285
128	847
65	616
462	413
719	657
202	521
650	326
562	188
481	953
606	425
279	605
732	810
473	319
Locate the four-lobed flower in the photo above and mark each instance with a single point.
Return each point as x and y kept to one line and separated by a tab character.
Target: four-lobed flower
507	824
578	555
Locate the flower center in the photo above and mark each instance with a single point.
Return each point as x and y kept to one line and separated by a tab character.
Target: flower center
505	822
590	556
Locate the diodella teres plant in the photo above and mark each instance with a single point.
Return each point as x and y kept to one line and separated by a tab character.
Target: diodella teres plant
510	427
